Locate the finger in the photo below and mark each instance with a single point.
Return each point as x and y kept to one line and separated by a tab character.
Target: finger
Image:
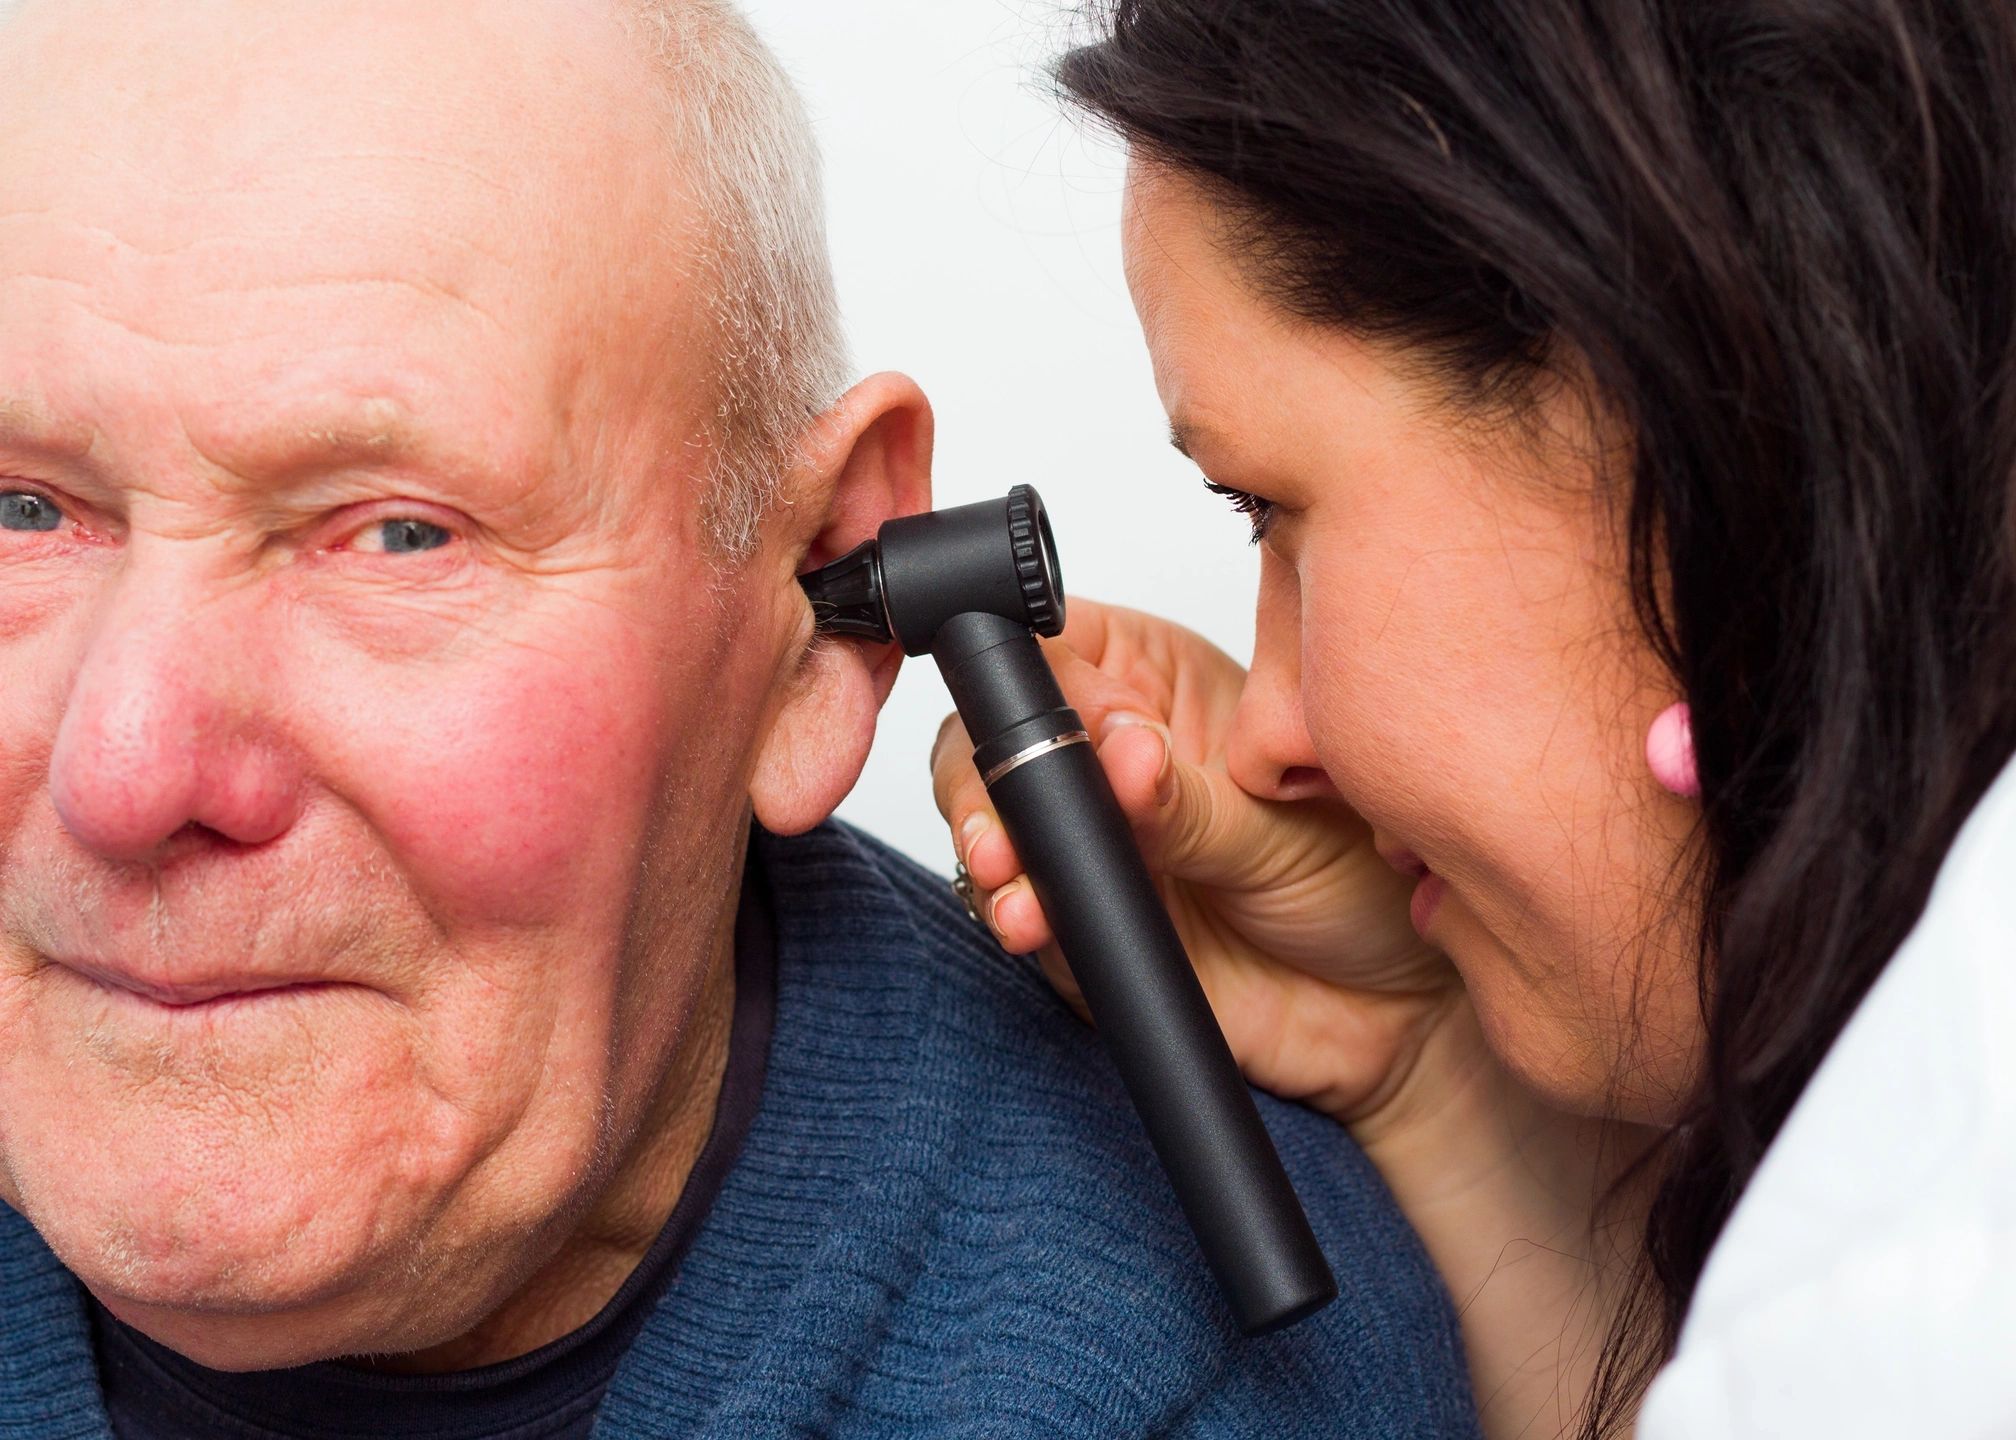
1022	939
1017	920
1088	626
951	756
1139	758
982	845
1017	923
1179	818
1188	681
1095	693
1193	822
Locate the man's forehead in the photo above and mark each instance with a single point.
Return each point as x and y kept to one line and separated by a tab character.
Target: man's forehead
518	110
340	186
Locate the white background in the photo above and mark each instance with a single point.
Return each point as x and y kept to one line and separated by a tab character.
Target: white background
975	232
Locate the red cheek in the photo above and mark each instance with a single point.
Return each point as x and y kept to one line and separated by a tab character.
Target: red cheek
511	786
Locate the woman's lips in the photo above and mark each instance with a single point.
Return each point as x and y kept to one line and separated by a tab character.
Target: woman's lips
1429	888
1428	893
1405	861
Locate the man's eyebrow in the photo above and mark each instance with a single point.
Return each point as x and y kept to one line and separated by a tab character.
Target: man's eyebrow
362	432
369	430
28	425
357	438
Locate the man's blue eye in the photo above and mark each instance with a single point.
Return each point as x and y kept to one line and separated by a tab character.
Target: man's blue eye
20	511
410	537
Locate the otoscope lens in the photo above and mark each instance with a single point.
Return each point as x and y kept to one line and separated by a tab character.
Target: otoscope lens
1053	571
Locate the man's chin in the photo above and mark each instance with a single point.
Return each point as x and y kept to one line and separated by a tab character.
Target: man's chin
197	1259
251	1299
248	1291
214	1215
250	1245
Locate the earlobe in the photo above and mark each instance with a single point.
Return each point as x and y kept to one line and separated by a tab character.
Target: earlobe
822	735
868	462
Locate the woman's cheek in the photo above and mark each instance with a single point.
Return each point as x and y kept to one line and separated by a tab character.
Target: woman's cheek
1369	672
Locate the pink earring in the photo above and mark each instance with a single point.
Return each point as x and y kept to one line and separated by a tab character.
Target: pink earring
1669	750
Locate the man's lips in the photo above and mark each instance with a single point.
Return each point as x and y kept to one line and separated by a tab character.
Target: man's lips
185	994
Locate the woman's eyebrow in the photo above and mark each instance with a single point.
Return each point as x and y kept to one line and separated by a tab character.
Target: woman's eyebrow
1189	435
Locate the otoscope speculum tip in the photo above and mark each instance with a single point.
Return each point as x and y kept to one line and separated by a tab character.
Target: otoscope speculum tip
997	557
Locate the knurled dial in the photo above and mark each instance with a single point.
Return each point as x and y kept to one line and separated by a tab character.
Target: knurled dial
1035	561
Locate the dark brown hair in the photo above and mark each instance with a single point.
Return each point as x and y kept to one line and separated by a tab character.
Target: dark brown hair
1782	236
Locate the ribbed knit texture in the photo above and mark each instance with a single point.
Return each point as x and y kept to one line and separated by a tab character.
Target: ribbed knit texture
946	1222
48	1384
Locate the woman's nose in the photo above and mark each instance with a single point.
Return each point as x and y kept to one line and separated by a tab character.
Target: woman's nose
1269	752
168	727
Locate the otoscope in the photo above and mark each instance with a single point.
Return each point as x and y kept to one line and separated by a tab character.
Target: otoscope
973	587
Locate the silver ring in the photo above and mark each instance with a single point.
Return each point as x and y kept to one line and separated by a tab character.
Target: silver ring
1034	752
963	887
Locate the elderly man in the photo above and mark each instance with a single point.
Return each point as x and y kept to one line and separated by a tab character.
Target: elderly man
412	420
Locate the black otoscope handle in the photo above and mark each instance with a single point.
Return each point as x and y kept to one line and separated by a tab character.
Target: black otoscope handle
1053	798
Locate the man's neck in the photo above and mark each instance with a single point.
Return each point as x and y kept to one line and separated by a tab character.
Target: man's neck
613	1237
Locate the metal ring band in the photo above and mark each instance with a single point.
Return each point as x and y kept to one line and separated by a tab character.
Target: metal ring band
1034	752
963	887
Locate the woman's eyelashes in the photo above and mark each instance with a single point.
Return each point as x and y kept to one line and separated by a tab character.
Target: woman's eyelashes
1259	512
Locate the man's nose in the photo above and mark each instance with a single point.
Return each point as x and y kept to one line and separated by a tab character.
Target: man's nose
1269	752
166	729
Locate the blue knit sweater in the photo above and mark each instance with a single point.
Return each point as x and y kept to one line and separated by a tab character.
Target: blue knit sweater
945	1222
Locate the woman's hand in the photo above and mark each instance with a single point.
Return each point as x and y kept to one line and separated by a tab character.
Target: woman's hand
1298	930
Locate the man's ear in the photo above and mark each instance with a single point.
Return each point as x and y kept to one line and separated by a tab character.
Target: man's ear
867	460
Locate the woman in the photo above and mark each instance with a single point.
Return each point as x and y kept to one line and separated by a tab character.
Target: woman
1621	397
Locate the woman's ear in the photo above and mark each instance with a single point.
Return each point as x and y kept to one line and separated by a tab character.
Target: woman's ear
866	461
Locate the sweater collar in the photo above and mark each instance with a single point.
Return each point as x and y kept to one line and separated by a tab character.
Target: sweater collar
48	1380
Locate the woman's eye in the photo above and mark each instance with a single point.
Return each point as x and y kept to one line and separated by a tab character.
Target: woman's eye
406	537
32	513
1260	512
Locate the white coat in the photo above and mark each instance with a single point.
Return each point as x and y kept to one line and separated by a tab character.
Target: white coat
1866	1284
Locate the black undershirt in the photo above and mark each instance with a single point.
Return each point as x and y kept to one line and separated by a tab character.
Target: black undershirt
152	1393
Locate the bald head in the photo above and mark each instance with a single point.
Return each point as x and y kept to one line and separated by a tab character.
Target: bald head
647	155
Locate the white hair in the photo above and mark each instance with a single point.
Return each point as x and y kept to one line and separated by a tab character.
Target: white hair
742	133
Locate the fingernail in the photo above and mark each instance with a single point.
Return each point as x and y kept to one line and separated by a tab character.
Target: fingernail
970	830
994	906
1165	777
